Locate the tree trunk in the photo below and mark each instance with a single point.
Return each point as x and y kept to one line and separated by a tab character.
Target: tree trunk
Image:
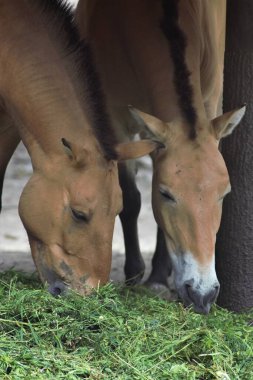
234	248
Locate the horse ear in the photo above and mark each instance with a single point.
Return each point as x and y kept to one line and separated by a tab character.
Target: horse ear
76	154
155	127
225	124
136	149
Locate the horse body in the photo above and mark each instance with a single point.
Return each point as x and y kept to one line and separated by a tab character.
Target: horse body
166	58
50	99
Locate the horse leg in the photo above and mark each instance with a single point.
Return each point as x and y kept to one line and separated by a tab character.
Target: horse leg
161	277
161	265
134	264
9	139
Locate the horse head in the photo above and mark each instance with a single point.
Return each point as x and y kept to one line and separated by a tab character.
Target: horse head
69	207
190	181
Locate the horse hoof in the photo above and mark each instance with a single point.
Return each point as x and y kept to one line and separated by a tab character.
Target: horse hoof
134	274
162	291
134	280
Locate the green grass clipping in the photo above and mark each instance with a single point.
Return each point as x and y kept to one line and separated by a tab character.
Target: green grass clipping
117	333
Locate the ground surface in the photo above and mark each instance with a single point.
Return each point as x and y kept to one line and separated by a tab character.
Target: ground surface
14	247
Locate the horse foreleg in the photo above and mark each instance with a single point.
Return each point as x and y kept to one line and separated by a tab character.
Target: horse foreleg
161	277
9	139
134	264
161	264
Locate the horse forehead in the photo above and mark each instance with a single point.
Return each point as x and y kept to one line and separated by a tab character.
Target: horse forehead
88	175
92	182
198	165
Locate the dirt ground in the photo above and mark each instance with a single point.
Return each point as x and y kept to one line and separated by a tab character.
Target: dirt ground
14	247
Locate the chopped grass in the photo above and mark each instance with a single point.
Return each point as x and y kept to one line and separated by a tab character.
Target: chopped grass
116	333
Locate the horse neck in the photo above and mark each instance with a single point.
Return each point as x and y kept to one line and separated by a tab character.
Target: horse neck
37	90
182	76
158	75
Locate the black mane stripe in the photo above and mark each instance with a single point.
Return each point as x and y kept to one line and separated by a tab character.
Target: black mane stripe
99	116
59	19
177	42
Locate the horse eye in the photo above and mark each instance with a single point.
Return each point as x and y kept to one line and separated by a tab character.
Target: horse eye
79	216
167	195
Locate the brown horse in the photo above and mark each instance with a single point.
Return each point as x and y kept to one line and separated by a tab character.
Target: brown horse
50	98
165	57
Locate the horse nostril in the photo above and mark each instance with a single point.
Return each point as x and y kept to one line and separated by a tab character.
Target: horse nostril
212	295
57	288
56	291
193	295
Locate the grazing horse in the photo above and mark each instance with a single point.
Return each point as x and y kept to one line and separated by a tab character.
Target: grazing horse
50	98
165	57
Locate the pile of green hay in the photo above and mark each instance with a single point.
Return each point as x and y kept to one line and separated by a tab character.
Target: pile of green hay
116	333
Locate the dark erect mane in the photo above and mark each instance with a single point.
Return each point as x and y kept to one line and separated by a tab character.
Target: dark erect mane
58	18
177	43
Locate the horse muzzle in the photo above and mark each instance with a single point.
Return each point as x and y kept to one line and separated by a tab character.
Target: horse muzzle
201	301
57	288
